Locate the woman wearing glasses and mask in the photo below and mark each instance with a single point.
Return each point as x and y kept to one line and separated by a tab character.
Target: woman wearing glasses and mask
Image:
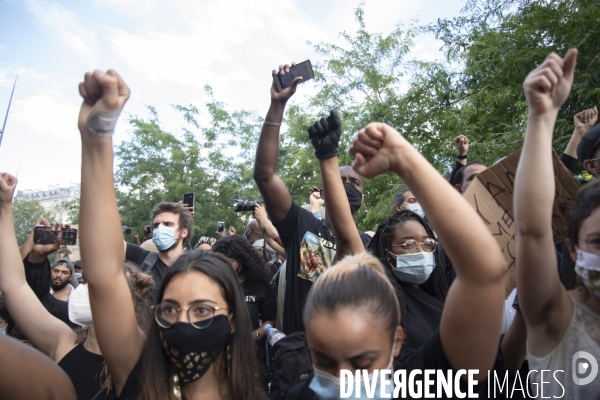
359	303
199	345
405	245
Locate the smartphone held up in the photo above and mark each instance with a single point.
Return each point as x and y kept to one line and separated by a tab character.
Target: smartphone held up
304	69
43	234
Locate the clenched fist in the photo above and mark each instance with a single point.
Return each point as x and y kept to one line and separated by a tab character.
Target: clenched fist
548	86
325	135
104	95
8	183
586	119
376	150
462	145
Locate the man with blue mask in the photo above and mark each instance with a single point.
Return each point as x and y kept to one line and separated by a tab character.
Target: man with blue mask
172	230
405	200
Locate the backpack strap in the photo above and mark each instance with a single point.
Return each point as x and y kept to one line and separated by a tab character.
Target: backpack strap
149	261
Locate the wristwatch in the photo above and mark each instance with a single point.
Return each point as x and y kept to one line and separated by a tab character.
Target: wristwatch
459	157
257	335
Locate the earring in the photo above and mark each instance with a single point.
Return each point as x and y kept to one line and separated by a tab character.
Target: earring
228	355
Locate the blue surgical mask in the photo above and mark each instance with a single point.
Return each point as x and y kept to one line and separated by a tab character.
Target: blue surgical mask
163	237
417	209
327	386
3	330
414	268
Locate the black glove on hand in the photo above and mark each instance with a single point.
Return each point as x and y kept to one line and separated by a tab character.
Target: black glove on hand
325	135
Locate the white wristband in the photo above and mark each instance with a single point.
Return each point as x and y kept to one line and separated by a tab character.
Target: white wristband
103	123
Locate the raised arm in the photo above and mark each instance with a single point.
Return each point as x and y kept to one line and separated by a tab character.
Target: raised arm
584	121
325	137
272	189
542	298
47	333
462	147
273	238
472	317
102	253
32	375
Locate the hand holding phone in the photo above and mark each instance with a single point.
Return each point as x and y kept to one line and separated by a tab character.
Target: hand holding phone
286	75
188	201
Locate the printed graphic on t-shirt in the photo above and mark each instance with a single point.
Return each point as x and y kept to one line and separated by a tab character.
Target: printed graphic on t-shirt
316	255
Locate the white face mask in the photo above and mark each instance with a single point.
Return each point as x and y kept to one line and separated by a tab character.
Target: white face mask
80	312
588	267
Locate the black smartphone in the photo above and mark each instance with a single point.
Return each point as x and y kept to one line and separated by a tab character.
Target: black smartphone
126	230
189	199
44	235
220	226
69	236
304	69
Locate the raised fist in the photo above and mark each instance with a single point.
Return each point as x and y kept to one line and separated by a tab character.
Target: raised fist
548	86
8	183
315	199
462	144
104	95
376	148
586	119
325	135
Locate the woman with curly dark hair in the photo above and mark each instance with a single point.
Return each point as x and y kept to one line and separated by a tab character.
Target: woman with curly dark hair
421	286
253	275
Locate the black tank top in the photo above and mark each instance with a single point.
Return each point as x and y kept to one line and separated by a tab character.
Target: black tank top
85	370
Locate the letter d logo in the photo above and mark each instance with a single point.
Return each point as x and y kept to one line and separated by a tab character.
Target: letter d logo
582	367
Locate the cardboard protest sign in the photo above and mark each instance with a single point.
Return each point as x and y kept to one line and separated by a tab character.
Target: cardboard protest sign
491	195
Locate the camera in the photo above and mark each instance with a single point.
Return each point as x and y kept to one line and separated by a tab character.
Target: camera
246	205
126	230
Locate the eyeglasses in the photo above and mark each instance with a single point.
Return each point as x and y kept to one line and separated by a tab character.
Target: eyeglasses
200	316
412	246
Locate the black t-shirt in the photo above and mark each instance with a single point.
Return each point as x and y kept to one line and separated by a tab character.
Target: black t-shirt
131	389
85	371
424	315
309	249
452	177
137	255
429	356
260	301
39	279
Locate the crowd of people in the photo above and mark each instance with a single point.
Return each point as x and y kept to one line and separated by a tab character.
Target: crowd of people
303	295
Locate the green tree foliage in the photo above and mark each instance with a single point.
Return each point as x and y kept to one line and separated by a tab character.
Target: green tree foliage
71	208
497	43
26	214
156	165
475	91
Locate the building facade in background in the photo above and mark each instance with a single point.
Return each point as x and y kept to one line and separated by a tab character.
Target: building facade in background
53	200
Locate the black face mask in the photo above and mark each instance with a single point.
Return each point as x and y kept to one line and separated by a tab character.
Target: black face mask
192	351
354	197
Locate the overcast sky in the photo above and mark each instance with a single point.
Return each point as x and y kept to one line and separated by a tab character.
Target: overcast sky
166	51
